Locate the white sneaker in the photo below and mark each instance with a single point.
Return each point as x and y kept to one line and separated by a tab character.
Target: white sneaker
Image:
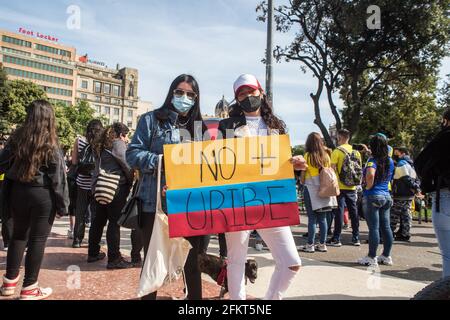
69	234
368	261
308	248
321	247
9	286
385	260
34	292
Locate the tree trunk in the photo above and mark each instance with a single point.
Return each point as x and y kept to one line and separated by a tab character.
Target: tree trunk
355	113
318	119
333	108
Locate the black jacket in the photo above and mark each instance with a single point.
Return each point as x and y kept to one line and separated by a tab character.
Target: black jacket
52	175
230	125
433	163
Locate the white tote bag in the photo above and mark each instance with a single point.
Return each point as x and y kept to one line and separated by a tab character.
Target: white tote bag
165	256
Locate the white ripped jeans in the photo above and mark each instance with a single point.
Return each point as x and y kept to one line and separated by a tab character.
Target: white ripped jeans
282	246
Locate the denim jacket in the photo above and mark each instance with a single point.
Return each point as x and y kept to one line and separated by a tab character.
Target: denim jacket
151	134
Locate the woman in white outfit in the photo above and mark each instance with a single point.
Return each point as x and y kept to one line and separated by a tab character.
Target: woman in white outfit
251	116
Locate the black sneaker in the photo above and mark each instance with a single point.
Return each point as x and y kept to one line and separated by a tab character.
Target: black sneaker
120	263
356	242
334	243
76	244
403	239
136	263
100	256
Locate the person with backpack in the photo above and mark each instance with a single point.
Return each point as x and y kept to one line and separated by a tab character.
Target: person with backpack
83	158
111	184
318	177
346	162
404	188
432	166
377	202
36	193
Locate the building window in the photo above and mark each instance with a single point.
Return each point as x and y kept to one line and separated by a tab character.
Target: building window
117	101
53	50
16	41
116	111
107	99
116	91
98	108
36	76
22	53
130	113
98	98
107	110
106	88
37	65
97	87
84	84
83	96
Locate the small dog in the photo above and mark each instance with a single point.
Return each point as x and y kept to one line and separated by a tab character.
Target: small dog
215	267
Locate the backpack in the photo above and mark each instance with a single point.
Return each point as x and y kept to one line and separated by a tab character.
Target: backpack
351	171
329	185
86	164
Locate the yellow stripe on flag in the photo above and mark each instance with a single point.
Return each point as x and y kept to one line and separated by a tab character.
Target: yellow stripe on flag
229	161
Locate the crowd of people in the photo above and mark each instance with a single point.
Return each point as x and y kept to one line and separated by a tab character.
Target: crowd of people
376	182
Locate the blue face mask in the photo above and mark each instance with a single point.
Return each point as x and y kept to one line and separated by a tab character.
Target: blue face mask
183	104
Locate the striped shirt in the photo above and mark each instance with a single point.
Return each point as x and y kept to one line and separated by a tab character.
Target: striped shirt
83	181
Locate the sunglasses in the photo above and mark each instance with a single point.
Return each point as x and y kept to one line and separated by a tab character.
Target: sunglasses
179	93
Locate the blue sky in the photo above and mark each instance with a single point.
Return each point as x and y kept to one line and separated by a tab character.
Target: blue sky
214	40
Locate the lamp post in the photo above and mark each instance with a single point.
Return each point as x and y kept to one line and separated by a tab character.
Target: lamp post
269	80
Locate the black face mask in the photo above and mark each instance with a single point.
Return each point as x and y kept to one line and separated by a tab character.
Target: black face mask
251	104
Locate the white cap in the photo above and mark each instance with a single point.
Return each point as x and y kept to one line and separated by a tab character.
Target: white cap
246	80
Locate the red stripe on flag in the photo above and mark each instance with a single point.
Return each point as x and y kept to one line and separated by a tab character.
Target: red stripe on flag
230	220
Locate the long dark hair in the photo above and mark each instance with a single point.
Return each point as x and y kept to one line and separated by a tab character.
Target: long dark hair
194	115
317	152
271	120
106	139
35	143
379	148
93	130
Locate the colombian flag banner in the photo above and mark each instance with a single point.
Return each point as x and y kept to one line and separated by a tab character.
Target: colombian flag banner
230	185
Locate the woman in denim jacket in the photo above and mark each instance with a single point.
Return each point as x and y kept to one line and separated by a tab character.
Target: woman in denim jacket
178	120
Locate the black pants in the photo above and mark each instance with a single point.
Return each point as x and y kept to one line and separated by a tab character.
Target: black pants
191	268
222	244
6	221
84	198
7	227
108	213
32	220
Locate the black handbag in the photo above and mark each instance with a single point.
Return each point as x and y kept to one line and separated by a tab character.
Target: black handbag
130	215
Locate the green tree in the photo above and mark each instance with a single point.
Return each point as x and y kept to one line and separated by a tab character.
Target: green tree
410	44
15	96
407	112
298	150
444	94
332	39
66	131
